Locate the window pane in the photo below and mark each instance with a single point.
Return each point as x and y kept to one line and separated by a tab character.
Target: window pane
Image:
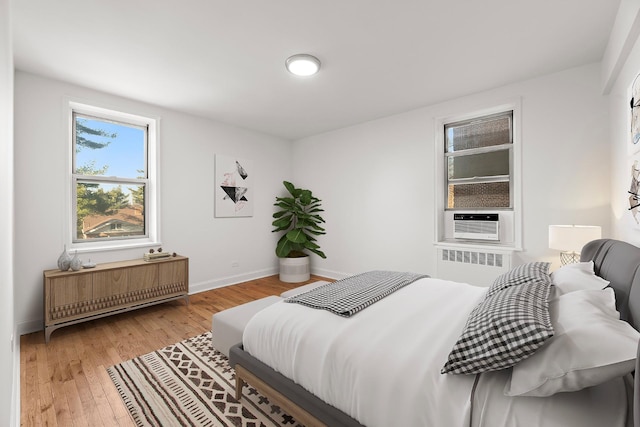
105	148
478	165
109	210
478	133
481	195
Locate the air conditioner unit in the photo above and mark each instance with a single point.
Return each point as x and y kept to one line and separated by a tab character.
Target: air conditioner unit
476	226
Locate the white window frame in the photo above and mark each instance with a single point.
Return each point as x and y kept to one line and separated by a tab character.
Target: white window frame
482	150
511	218
152	219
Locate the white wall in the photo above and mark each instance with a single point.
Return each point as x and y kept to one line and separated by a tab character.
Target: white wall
188	145
377	182
9	355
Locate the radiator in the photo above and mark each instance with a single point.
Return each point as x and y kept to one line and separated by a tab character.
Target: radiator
477	267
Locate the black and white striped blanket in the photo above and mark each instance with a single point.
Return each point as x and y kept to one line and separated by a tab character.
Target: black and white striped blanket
348	296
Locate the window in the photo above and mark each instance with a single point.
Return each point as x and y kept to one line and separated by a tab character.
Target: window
112	178
478	157
477	170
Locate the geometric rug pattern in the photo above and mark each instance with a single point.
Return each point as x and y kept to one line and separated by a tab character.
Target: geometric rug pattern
191	384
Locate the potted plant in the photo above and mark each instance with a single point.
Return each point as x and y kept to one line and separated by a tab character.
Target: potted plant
299	218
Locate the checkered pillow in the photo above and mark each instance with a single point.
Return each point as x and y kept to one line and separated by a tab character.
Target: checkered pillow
502	330
523	274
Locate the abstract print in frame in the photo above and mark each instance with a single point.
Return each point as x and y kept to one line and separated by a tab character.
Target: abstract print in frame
634	138
634	104
634	189
234	192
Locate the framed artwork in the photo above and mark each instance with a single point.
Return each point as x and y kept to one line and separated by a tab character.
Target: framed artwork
633	192
634	188
233	187
635	114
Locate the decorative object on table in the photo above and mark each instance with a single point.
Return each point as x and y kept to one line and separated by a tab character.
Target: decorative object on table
299	217
233	192
569	239
76	262
64	260
154	255
88	264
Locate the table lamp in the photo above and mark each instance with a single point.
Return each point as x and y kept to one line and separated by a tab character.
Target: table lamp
569	239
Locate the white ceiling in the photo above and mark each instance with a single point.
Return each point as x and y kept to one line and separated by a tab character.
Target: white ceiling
224	59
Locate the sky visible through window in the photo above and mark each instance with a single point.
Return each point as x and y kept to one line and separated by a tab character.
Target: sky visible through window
124	156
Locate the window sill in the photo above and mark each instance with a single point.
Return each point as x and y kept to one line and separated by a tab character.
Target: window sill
111	246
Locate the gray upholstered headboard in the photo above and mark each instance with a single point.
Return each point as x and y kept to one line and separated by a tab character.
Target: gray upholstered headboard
618	262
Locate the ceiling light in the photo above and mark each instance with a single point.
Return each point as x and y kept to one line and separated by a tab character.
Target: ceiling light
302	64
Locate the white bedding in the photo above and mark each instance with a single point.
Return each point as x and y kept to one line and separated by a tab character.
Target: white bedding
382	365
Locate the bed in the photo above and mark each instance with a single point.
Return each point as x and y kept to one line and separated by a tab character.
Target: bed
384	365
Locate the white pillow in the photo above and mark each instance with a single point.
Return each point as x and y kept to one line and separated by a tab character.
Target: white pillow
576	277
591	345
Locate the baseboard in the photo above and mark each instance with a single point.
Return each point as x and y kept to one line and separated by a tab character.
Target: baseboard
195	288
329	273
28	327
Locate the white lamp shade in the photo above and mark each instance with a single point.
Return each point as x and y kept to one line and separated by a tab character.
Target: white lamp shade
571	238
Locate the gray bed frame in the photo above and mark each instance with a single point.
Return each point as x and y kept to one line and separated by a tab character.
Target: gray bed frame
614	260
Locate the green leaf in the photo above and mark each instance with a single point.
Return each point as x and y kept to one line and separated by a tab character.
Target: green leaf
290	187
318	252
311	245
284	203
284	222
305	197
283	248
317	233
296	236
303	223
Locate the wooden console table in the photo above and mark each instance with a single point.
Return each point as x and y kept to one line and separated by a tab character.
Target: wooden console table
72	297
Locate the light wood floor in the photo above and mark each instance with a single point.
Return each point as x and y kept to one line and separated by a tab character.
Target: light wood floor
65	382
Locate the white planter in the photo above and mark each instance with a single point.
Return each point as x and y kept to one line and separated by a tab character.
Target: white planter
294	270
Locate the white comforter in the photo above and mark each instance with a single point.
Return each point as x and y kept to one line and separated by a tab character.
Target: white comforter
382	365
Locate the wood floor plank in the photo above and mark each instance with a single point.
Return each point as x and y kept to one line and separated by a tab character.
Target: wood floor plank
96	409
63	413
112	397
76	410
95	390
29	380
65	382
48	415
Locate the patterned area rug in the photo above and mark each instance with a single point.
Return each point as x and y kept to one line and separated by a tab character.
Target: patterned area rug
191	384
